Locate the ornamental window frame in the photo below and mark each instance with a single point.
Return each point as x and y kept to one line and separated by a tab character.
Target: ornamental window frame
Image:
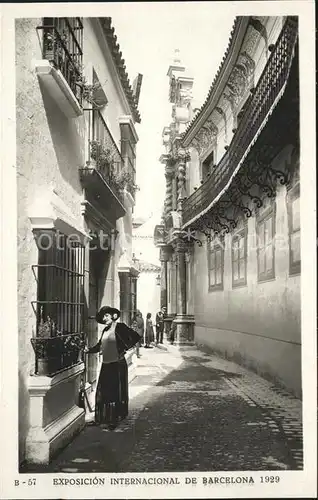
60	280
213	248
59	306
293	195
239	235
262	217
63	47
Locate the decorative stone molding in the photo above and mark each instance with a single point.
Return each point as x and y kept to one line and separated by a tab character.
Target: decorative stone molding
179	245
165	253
258	25
184	330
49	211
128	120
54	421
248	64
250	41
58	88
206	136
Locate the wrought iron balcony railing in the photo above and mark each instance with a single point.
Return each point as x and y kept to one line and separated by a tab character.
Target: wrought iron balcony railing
62	45
268	88
104	155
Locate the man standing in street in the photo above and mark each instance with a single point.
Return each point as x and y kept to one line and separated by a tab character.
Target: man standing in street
160	326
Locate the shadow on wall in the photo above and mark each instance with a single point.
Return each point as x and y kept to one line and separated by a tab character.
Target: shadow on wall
23	417
68	139
101	260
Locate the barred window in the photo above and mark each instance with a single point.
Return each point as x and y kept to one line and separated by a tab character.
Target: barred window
216	264
60	278
293	204
239	257
266	247
128	297
63	47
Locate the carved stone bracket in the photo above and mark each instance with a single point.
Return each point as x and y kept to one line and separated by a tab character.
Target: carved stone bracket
260	28
205	137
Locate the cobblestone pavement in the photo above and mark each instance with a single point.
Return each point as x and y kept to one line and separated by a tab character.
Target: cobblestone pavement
192	411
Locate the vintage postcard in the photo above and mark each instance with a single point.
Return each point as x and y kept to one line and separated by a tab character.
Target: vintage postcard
158	271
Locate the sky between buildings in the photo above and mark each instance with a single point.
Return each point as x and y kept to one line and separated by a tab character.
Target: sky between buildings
148	34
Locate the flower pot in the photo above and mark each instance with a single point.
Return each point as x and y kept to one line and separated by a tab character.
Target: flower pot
43	366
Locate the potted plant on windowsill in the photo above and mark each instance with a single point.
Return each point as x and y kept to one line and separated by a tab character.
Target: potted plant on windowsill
103	158
125	180
92	93
42	345
53	350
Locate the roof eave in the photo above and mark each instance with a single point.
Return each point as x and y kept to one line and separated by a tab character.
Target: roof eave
119	63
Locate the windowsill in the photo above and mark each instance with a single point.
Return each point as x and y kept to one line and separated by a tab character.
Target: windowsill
239	285
294	273
216	288
43	383
58	88
265	280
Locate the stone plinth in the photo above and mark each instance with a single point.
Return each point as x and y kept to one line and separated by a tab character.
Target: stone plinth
167	324
185	330
54	414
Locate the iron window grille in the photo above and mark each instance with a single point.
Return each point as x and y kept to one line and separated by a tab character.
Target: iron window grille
216	263
265	224
59	307
62	45
239	257
102	147
293	207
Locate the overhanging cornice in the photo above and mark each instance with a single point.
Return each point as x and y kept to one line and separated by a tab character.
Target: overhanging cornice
217	87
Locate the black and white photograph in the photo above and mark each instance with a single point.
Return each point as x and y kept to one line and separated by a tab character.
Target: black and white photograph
159	277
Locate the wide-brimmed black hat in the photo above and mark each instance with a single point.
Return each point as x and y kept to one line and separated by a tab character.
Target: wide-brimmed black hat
106	310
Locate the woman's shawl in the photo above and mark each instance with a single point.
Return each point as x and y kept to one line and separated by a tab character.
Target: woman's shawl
126	339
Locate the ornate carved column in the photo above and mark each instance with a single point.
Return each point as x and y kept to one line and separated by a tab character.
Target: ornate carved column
168	200
183	156
164	257
184	322
180	249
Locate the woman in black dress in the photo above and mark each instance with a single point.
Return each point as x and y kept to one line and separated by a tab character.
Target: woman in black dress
111	400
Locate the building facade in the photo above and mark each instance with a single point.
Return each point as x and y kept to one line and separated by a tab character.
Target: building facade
76	163
146	255
231	235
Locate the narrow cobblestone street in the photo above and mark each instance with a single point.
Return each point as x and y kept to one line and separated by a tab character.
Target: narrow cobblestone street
192	411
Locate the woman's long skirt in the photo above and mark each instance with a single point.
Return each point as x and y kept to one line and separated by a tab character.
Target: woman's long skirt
111	404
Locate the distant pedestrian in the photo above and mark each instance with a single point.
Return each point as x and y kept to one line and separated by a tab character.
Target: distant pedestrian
140	326
134	326
159	327
149	336
111	401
